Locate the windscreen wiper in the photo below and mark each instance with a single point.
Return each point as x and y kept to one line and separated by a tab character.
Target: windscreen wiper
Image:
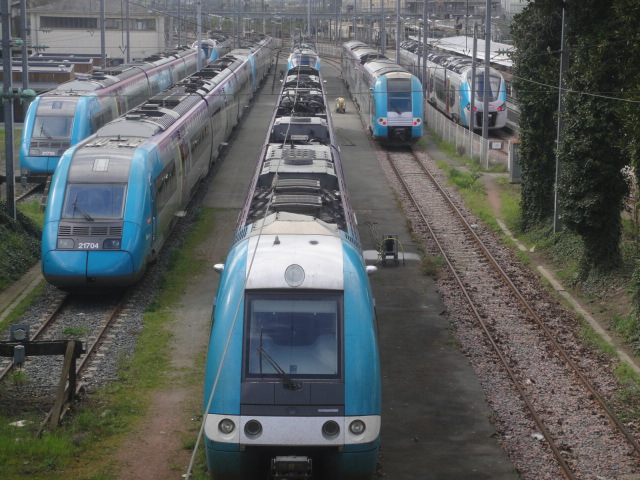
289	383
82	212
43	131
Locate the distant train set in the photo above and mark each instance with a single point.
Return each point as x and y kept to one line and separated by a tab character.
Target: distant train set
389	97
74	110
292	386
450	84
115	195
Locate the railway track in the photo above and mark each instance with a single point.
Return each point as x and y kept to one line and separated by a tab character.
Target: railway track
65	320
564	410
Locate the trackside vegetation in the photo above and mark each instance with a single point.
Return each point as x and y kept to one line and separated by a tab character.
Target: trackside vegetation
19	245
84	445
598	152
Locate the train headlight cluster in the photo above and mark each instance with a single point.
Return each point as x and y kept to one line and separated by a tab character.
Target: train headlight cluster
65	243
357	427
253	428
382	120
330	428
112	244
226	426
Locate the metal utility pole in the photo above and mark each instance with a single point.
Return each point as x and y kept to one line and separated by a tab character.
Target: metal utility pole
199	23
487	79
8	108
472	104
128	32
370	22
355	20
564	64
23	34
309	19
103	51
383	32
398	32
425	38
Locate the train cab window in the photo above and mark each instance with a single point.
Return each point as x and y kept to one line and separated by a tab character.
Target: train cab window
399	95
54	118
494	87
52	127
90	201
300	334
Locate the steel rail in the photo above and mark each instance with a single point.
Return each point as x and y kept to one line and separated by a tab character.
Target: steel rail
50	318
538	421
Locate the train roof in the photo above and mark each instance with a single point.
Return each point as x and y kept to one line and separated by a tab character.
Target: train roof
463	45
101	78
164	109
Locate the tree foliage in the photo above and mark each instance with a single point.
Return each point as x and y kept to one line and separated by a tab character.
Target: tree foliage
600	133
536	33
592	186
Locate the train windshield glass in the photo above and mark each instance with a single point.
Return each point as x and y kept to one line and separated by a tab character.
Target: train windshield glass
94	201
493	91
54	118
295	334
399	95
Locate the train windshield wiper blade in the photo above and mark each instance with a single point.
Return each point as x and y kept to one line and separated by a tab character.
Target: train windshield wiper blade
82	212
43	130
289	383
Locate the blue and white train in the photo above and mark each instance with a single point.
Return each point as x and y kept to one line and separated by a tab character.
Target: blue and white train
449	87
115	196
292	386
388	96
74	110
304	54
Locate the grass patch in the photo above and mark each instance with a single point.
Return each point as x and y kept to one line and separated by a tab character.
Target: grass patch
430	265
472	190
81	449
629	394
33	211
593	339
19	246
74	332
22	307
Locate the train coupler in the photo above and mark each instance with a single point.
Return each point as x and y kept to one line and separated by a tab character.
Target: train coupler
290	468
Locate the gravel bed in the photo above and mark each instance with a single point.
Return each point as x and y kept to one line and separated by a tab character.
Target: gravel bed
587	439
85	313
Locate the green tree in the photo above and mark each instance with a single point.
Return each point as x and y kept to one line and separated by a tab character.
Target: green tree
592	186
536	35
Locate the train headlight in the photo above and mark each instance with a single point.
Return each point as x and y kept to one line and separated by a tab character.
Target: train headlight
357	427
501	108
34	152
226	426
65	243
330	428
112	244
253	428
382	120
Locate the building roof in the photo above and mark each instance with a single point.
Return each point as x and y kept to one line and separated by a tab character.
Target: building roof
92	7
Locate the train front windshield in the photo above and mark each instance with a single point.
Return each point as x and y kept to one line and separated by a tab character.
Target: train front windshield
399	95
494	88
295	334
54	118
94	201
